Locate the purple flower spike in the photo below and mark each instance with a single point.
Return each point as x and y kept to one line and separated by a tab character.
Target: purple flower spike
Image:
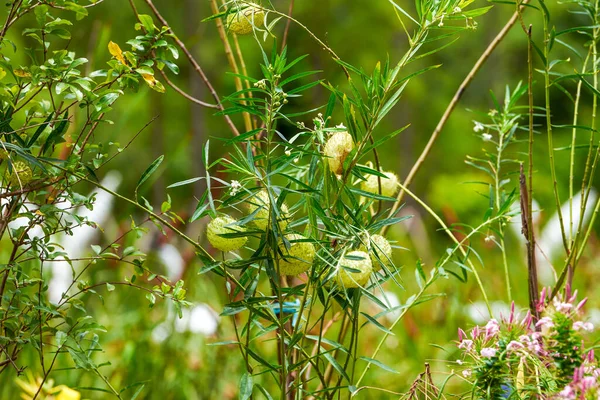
581	304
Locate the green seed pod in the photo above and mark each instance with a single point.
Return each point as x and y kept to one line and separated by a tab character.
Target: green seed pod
298	258
224	225
261	218
379	247
337	148
348	279
243	21
21	174
389	186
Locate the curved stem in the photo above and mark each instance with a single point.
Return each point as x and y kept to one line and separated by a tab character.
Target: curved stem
453	103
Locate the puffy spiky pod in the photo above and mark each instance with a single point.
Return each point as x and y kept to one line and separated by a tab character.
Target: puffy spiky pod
360	261
21	174
243	21
261	218
221	226
379	247
337	148
298	258
389	186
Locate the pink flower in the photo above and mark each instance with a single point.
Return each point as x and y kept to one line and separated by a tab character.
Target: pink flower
583	326
588	383
491	329
475	332
467	373
567	393
466	345
581	304
545	324
488	352
515	346
562	307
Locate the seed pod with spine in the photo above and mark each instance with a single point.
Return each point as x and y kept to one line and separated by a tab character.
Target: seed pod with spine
298	258
389	185
354	260
244	20
21	174
262	202
222	226
380	252
337	148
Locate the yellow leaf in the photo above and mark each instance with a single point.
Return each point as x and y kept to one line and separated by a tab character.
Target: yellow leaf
116	52
21	73
153	83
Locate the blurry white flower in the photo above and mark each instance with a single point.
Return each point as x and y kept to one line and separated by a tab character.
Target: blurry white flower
478	312
478	127
467	373
486	137
391	300
235	187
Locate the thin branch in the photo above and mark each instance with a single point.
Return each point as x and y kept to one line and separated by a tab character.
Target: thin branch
194	63
457	96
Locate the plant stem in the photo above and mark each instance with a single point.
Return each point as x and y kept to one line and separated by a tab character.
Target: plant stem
451	106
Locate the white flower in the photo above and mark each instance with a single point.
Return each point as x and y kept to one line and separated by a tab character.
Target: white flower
488	352
467	373
486	137
459	362
478	127
457	10
288	153
235	187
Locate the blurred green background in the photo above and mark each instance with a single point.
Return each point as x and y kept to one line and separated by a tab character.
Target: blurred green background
179	364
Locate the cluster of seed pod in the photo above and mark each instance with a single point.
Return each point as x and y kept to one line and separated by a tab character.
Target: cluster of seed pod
338	147
297	252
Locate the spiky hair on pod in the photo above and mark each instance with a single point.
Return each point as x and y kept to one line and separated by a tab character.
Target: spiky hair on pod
337	148
358	261
221	226
262	202
244	20
21	174
380	251
298	258
389	184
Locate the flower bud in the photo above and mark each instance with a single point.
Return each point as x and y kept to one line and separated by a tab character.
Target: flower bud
389	185
222	226
243	21
359	261
337	148
298	258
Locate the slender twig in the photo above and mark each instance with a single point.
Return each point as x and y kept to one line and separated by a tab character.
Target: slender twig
451	106
287	25
194	64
